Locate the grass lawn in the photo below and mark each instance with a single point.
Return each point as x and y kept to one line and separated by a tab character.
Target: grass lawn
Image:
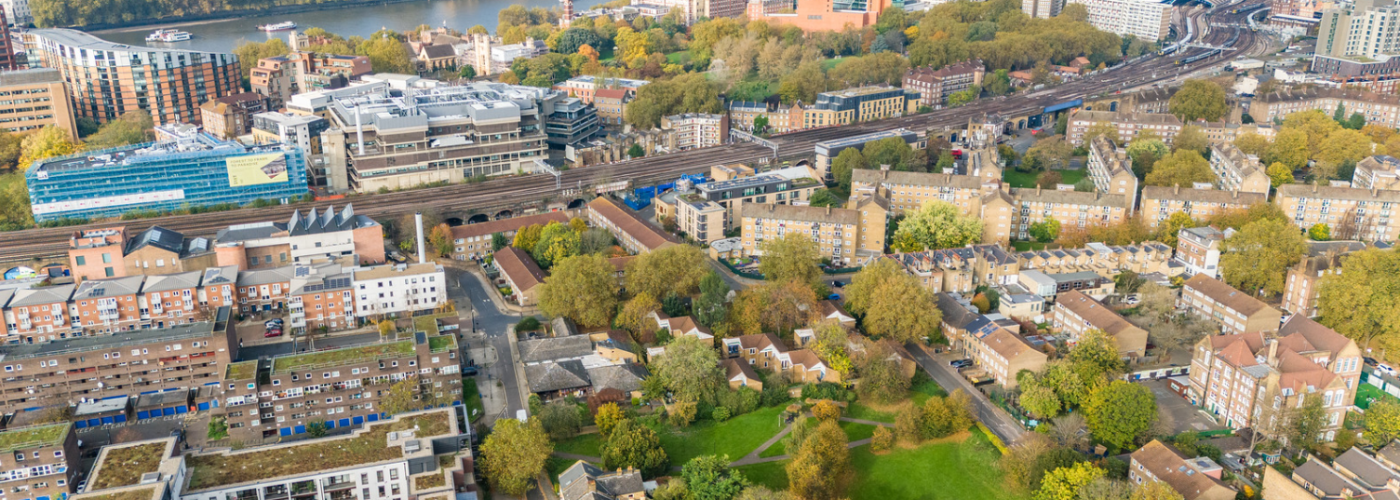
827	64
678	57
769	474
857	431
471	397
1025	246
735	437
583	444
918	393
1365	393
1027	179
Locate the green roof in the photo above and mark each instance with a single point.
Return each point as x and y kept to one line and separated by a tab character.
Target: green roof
442	343
341	357
132	494
124	466
242	370
33	437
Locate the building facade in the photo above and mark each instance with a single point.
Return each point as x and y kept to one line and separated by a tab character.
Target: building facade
36	459
1300	290
839	233
862	104
231	116
1379	172
1199	249
1076	313
1236	171
32	99
697	130
1236	312
1129	125
1160	202
1349	213
934	86
1144	19
1112	170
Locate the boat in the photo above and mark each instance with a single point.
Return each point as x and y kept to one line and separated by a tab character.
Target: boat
170	35
282	26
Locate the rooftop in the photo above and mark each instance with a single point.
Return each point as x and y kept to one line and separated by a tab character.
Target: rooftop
93	343
342	357
242	370
836	145
1225	294
30	77
394	271
80	40
124	466
33	437
800	213
442	343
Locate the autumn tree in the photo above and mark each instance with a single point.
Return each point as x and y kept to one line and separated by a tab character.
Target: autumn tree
1279	174
792	258
1362	300
632	444
1199	100
821	468
882	378
689	369
560	420
773	307
582	288
514	453
939	224
608	417
1120	412
557	242
1290	148
1064	483
710	307
527	237
826	411
708	477
1101	128
1168	230
633	315
441	239
48	142
1251	143
845	163
132	127
892	303
1045	231
676	269
1257	257
1191	138
1184	167
1155	490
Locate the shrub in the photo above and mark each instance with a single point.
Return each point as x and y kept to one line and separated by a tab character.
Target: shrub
682	413
882	440
529	324
827	390
720	414
826	411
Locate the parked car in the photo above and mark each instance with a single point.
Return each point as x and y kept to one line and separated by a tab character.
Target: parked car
275	323
1369	360
834	296
272	333
1386	369
470	371
1131	300
837	284
82	486
960	363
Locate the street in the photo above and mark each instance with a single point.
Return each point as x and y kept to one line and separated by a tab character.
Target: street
997	420
487	319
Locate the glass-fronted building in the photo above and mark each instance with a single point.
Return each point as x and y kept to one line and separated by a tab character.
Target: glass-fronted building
192	169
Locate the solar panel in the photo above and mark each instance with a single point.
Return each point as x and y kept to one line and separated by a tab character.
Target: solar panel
302	272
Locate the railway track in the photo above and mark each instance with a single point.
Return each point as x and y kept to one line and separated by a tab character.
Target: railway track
49	242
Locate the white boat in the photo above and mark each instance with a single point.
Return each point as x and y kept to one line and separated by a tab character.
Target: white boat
282	26
170	35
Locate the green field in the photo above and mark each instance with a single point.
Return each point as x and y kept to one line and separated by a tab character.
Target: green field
1027	179
582	444
735	437
921	390
1366	392
1025	246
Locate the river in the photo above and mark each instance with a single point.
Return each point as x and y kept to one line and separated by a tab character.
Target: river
224	35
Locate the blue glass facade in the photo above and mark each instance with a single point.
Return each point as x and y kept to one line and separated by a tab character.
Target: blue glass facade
162	176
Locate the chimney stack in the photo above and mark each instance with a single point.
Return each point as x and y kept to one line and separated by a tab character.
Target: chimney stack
1176	189
1273	352
1314	186
359	131
418	221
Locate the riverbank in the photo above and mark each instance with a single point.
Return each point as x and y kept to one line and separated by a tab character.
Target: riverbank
214	17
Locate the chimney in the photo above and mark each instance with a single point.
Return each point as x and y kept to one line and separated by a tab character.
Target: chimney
1273	352
884	167
418	221
828	209
1037	189
1176	189
1236	194
359	131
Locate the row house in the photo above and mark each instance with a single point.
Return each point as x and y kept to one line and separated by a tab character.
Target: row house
473	241
1160	202
631	232
1129	125
35	460
960	270
1253	379
1350	213
1235	311
768	352
77	369
173	299
1236	171
109	306
322	298
1379	109
1111	170
1353	474
1104	260
781	119
1075	313
999	352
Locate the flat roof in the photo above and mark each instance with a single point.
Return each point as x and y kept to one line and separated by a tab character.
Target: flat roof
342	357
78	39
33	437
93	343
30	77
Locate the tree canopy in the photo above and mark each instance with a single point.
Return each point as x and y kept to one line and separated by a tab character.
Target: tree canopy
939	224
1257	257
514	453
892	302
1199	100
582	288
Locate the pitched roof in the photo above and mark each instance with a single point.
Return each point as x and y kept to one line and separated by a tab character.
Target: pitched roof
629	223
1326	479
1202	195
519	267
1225	294
111	287
327	221
168	282
626	377
816	215
871	176
507	225
575	482
734	368
610	94
158	237
1366	468
1093	312
1316	335
1337	193
438	51
551	348
1170	467
1006	344
552	376
1024	195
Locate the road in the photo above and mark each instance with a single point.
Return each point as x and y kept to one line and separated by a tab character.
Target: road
489	320
41	243
997	420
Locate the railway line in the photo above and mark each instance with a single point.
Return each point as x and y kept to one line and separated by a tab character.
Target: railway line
1144	71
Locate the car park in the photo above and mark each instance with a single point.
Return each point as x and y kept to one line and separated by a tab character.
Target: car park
272	333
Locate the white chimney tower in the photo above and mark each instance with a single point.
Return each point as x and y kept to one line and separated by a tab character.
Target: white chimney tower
418	221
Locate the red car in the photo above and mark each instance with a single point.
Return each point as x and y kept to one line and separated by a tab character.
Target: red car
272	333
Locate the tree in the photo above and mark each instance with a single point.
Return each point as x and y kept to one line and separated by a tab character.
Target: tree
1119	412
772	307
636	151
892	151
892	303
1095	358
803	84
1045	231
847	161
1303	424
560	420
441	239
939	224
387	55
1290	147
1251	143
709	309
1145	152
1256	258
608	417
573	39
1182	168
527	237
709	477
672	490
690	369
498	241
826	411
632	444
1040	401
133	127
882	379
1049	151
1382	421
1155	490
982	303
1279	174
1101	128
674	270
792	258
316	429
686	93
48	142
1168	230
821	469
1199	100
403	397
582	288
1362	301
1128	282
763	493
1320	232
1342	147
1191	138
467	72
823	197
515	453
633	315
760	124
1064	483
250	52
882	440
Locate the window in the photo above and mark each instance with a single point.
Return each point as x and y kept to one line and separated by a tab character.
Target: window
81	260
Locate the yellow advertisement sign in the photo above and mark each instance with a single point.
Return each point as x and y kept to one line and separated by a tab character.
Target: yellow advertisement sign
256	169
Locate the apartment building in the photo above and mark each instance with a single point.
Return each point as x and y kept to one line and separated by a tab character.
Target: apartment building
585	87
697	130
107	306
170	84
1379	109
1235	311
322	298
231	116
862	104
1196	478
700	218
1236	171
1112	170
1152	100
473	241
161	251
1160	202
935	85
840	233
631	232
1250	380
97	253
1145	19
69	370
1042	9
173	299
1199	249
1104	260
38	314
1346	31
17	12
36	461
1379	172
829	150
1225	132
612	105
783	187
279	78
305	237
1072	209
767	352
1350	213
781	118
1129	124
1300	291
999	352
274	78
400	289
908	191
1075	313
34	99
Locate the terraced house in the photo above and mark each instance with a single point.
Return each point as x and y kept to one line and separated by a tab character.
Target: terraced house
1235	311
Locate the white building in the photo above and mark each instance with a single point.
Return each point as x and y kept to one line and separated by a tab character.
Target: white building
698	130
1365	29
1146	19
503	55
17	12
399	288
1043	9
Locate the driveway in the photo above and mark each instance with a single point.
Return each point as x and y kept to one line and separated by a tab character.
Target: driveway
1175	412
1001	424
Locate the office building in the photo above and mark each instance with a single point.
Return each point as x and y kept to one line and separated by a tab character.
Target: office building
1349	213
697	130
1235	311
1160	202
36	461
1112	171
304	238
1147	20
1196	478
1199	249
1076	313
70	370
934	86
568	120
32	99
1042	9
844	107
304	132
8	57
230	117
1252	380
195	169
479	129
1236	171
106	80
1129	125
1379	172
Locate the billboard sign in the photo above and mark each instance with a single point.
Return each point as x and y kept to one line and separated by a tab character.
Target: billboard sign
256	169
